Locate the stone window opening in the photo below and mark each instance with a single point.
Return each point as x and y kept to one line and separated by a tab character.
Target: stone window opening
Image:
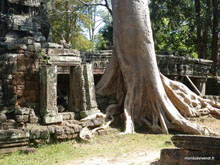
95	65
101	65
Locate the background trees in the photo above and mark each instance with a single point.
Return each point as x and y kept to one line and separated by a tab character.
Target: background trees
187	27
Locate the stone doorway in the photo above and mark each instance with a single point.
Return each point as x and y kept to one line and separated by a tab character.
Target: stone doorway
66	75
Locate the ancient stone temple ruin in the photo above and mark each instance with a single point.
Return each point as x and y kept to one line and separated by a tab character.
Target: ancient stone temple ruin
34	74
45	87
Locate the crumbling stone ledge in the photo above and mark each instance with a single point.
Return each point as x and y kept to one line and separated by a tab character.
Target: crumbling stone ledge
19	139
192	150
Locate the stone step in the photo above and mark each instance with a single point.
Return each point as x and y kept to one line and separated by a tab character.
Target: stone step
9	150
17	144
7	125
68	115
188	157
10	141
13	134
195	142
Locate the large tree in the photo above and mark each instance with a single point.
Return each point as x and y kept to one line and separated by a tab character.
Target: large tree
146	96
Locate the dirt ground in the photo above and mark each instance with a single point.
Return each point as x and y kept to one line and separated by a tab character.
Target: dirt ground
142	157
137	158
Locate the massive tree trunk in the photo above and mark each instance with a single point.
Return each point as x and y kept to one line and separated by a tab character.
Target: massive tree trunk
199	27
204	48
146	96
215	33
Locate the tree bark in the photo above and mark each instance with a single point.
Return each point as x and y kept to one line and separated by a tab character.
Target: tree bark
215	31
199	27
146	97
204	48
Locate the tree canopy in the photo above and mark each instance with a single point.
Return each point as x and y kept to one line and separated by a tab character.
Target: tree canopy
187	27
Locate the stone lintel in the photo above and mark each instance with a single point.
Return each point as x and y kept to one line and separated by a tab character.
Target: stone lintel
65	60
63	52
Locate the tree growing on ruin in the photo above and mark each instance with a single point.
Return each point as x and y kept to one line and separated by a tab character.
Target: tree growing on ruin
146	96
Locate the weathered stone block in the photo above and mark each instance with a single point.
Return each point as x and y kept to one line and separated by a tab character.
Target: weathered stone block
49	119
20	81
16	46
21	57
39	38
13	134
29	54
21	101
88	123
31	48
87	113
77	128
2	117
45	134
33	119
35	133
20	92
19	75
20	87
22	111
69	131
68	115
21	66
31	85
22	118
51	129
37	46
195	142
59	131
28	61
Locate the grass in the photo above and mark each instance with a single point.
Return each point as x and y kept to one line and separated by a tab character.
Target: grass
111	145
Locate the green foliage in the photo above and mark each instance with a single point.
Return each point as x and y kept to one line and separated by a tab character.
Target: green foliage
173	26
68	21
44	57
105	37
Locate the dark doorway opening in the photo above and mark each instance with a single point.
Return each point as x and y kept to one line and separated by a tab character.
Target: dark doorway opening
63	88
97	77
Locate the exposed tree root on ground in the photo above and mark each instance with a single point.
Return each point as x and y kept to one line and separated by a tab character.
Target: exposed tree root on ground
86	133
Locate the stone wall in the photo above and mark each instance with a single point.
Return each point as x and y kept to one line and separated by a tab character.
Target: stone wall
20	72
169	65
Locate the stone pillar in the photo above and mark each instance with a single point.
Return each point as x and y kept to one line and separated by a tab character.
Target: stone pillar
48	95
89	86
82	91
77	97
202	86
